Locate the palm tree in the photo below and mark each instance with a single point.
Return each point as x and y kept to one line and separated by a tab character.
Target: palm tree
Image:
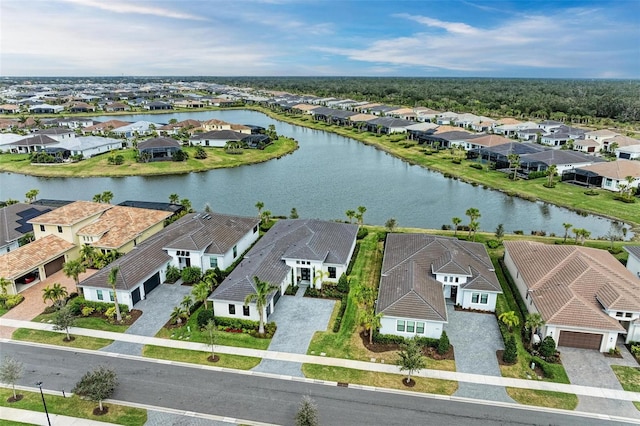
31	195
73	269
113	278
263	288
319	275
107	196
97	198
456	221
200	292
510	319
350	215
174	198
533	322
513	160
187	303
55	293
473	214
370	321
473	226
266	216
567	226
551	172
259	206
178	314
360	215
88	254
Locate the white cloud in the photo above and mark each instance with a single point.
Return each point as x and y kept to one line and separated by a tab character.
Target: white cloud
134	8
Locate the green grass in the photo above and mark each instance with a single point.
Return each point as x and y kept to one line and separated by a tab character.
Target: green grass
93	323
75	407
239	340
12	423
237	362
3	311
52	338
629	377
540	398
98	166
383	380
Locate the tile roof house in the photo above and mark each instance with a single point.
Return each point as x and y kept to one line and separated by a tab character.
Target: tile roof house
204	240
33	143
14	224
585	295
216	138
610	175
421	273
292	252
633	262
161	148
105	127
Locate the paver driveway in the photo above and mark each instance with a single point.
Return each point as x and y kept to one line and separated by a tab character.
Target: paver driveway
476	338
297	318
591	368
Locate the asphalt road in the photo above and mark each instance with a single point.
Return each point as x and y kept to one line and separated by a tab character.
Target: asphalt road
263	399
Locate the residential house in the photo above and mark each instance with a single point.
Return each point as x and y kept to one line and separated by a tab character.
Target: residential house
610	175
404	113
139	128
529	134
425	114
14	224
585	296
76	107
33	143
511	127
586	145
422	273
563	160
631	152
45	109
619	141
59	134
90	146
388	125
483	141
157	105
105	127
555	139
159	149
215	124
116	106
446	118
9	109
188	125
633	262
216	138
548	126
292	252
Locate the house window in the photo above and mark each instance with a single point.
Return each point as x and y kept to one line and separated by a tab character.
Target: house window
99	294
411	326
608	182
400	325
232	309
255	229
332	271
213	262
60	229
457	279
245	311
41	228
420	327
235	251
482	298
446	279
112	295
618	314
628	315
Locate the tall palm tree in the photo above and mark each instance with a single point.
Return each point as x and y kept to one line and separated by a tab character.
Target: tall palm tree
350	215
88	254
187	303
371	321
551	173
456	221
474	215
533	322
263	288
113	278
54	293
107	196
513	160
174	198
567	226
73	269
360	216
200	292
259	206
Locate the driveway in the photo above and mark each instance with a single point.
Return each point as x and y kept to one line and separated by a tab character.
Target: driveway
297	318
591	368
156	310
476	338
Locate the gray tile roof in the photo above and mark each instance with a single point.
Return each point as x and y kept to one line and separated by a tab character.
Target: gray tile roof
310	239
555	156
634	250
14	217
408	286
149	256
159	142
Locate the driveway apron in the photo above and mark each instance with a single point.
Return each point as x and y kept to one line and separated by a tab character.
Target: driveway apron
476	338
297	318
591	368
156	310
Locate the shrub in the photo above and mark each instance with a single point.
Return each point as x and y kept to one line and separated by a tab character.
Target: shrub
510	354
493	244
476	166
173	274
591	192
180	155
251	327
518	232
382	236
110	313
312	292
356	250
191	274
88	310
343	284
362	232
387	339
443	343
536	175
201	154
456	161
341	310
75	306
204	316
9	301
548	347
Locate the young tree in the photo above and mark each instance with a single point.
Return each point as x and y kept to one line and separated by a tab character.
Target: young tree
548	347
514	160
207	208
456	221
107	196
411	359
113	279
178	314
73	269
259	206
11	370
567	227
97	385
307	413
510	319
187	205
174	199
391	224
210	329
443	343
319	275
55	293
370	321
200	292
187	303
263	288
533	322
551	173
350	215
474	215
294	213
500	231
4	283
97	198
63	320
360	215
31	195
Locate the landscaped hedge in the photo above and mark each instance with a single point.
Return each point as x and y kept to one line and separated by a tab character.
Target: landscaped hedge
75	306
390	339
8	301
362	232
343	306
514	290
242	325
353	258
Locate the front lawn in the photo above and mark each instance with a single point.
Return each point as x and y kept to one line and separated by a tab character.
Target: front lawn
237	362
75	407
541	398
382	380
95	323
191	332
53	338
629	377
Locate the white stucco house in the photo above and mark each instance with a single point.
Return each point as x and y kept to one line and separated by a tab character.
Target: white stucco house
586	297
633	262
612	175
422	273
293	252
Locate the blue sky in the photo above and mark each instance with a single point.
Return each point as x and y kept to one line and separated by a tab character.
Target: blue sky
554	39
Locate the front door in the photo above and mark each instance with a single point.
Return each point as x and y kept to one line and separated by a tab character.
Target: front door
454	293
305	274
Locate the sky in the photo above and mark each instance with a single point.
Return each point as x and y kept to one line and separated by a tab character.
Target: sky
437	38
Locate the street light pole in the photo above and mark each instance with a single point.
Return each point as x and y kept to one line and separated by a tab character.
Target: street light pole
39	385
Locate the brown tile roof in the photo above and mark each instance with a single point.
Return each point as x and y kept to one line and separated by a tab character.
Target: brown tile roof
119	225
569	285
107	125
623	141
491	140
408	285
446	128
363	117
618	169
28	257
71	213
189	123
215	122
507	120
603	132
305	107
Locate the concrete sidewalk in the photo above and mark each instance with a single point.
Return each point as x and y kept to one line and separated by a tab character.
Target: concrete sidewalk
337	362
39	418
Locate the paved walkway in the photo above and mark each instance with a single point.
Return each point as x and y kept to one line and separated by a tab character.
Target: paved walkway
156	311
298	318
476	338
338	362
591	368
38	418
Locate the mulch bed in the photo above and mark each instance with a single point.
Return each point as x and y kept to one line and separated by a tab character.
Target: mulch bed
475	311
499	353
613	355
537	371
214	358
411	383
16	399
98	412
134	313
427	351
68	339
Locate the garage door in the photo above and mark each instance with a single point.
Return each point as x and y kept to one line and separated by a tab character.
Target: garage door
53	266
151	283
575	339
135	295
